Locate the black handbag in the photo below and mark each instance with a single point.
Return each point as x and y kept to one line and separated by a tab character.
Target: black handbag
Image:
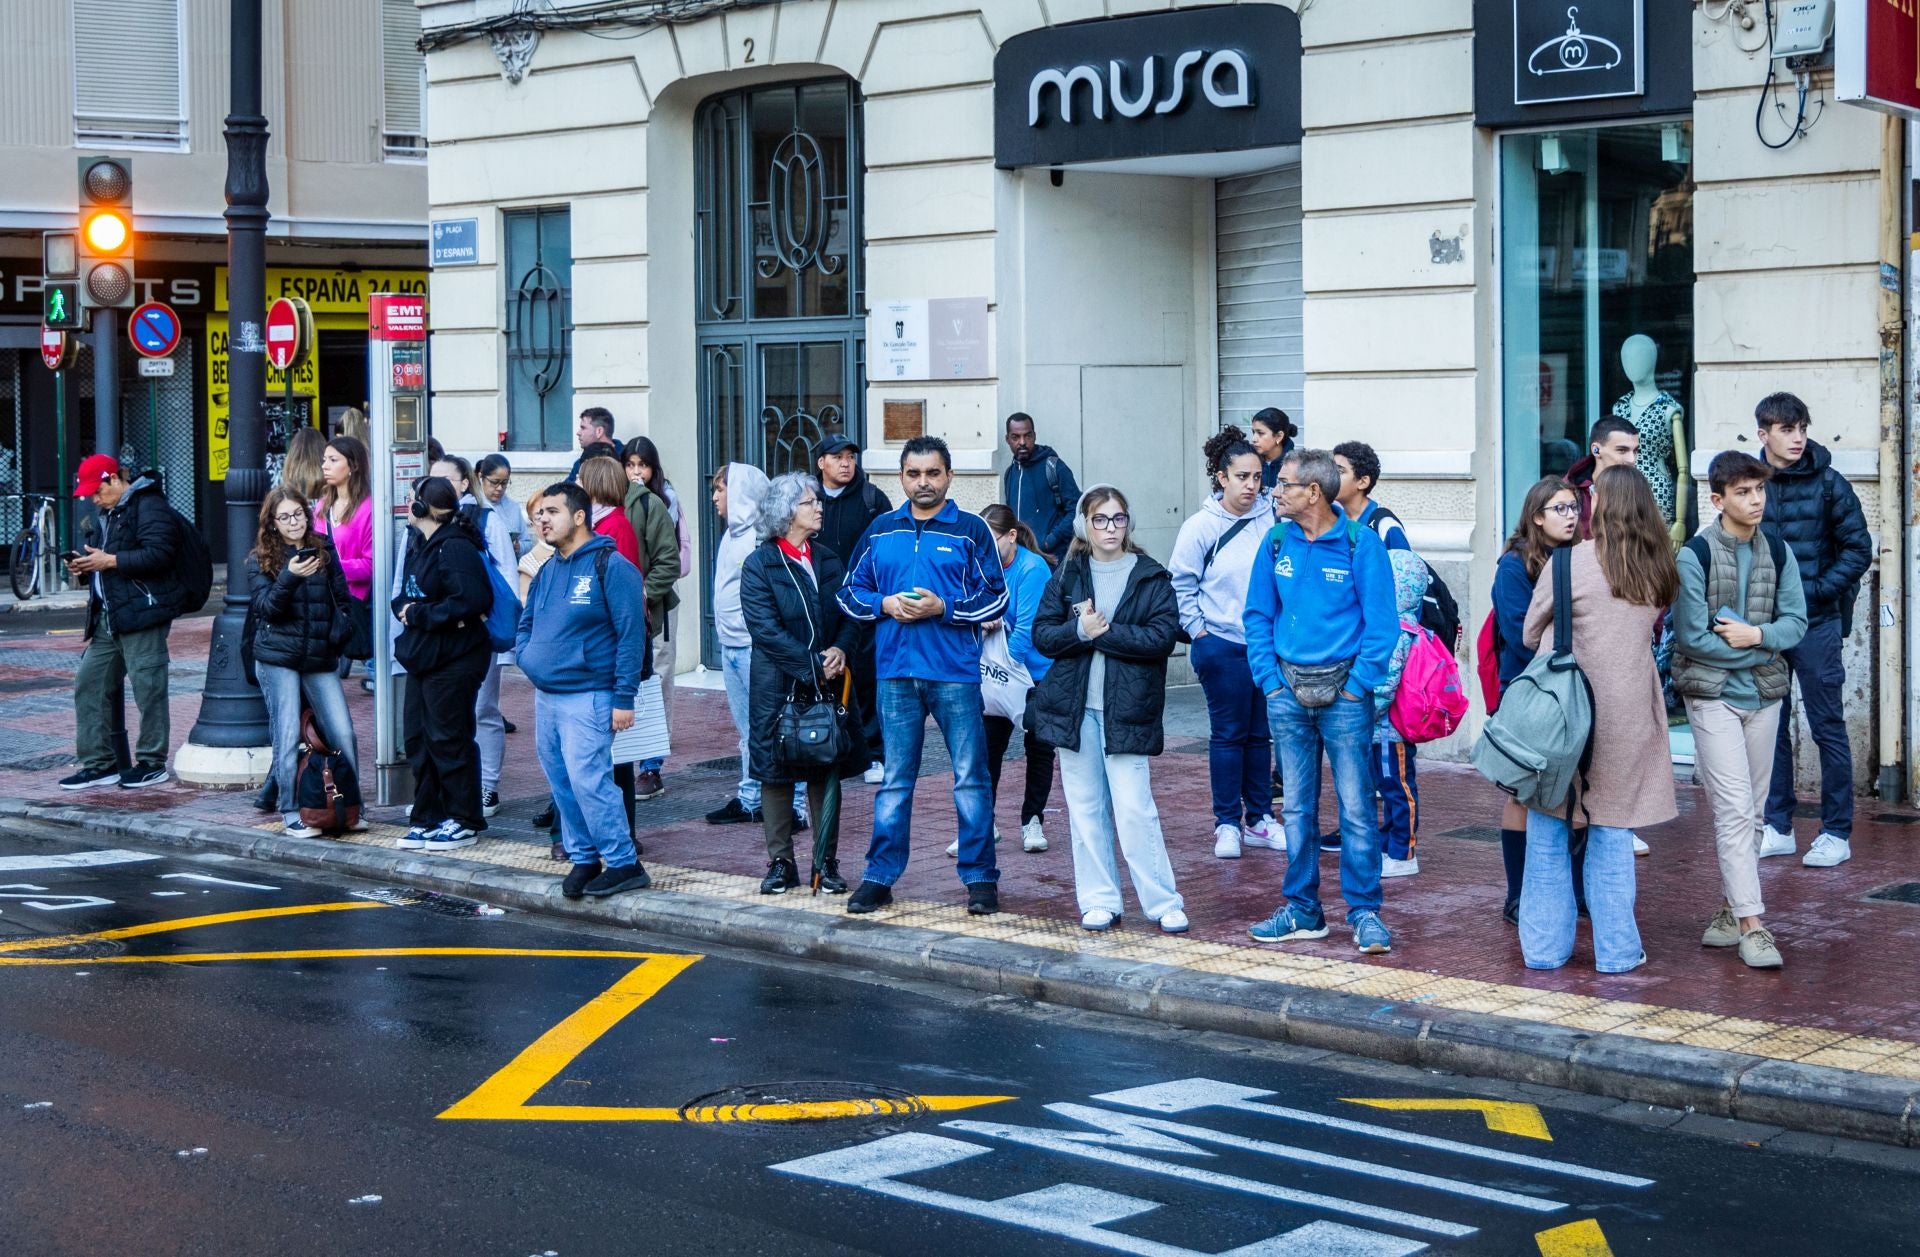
353	629
813	731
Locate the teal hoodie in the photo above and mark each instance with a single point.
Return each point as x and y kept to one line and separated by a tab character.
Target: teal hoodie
1320	602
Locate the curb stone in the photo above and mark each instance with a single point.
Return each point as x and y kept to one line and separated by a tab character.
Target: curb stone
1816	1099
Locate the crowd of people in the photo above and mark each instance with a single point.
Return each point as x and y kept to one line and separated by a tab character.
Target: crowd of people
845	623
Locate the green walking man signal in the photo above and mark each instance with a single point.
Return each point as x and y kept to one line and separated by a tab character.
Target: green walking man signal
63	311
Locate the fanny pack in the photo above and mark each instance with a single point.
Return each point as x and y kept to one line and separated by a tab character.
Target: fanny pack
1316	685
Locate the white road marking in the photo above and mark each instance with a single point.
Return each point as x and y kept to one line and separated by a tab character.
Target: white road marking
1189	1094
216	881
72	860
37	897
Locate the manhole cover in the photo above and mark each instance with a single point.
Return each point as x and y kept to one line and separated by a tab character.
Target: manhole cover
1897	892
769	1107
87	949
430	901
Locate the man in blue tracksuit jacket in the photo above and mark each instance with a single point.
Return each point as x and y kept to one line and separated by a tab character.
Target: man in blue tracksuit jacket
1322	595
588	605
930	575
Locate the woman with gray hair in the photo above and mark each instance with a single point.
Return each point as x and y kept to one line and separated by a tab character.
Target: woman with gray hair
800	645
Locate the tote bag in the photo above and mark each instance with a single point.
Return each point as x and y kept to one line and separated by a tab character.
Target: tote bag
1004	680
647	739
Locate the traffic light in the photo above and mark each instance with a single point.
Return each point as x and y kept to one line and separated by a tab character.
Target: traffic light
105	237
60	307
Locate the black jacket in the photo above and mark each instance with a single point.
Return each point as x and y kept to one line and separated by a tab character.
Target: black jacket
844	519
1812	508
143	590
299	623
792	621
446	586
1142	633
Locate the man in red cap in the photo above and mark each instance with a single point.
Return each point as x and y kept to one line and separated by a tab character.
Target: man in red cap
136	593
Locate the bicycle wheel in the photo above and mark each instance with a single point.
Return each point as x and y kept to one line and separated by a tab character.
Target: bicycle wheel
25	571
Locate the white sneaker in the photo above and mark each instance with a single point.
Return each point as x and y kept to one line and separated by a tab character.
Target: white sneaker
1639	847
1773	842
1098	919
1226	842
1264	832
1174	922
1390	867
953	849
1827	850
876	773
299	829
1032	837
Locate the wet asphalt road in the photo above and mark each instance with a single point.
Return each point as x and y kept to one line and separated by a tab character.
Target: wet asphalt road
251	1104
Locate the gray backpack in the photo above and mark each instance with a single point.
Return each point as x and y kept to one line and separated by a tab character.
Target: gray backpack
1539	745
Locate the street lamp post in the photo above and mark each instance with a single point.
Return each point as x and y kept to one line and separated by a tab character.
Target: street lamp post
230	744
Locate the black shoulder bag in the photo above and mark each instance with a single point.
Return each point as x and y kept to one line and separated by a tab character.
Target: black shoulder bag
813	731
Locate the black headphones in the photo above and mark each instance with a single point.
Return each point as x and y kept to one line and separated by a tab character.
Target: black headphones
418	508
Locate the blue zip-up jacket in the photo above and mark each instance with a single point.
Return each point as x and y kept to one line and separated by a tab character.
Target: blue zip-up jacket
1035	503
571	626
1026	581
952	555
1321	602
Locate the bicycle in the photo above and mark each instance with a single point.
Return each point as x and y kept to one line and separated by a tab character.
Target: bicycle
31	549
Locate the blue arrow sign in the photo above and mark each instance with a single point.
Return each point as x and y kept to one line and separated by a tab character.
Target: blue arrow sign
154	329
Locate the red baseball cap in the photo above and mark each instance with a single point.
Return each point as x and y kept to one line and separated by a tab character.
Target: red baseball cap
94	470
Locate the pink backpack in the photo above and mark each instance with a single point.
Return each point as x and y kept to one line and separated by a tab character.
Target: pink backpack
1430	702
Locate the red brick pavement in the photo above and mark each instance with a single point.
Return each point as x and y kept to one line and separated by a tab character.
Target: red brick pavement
1853	965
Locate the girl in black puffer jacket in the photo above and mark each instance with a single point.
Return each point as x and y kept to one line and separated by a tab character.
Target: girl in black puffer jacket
298	613
1109	620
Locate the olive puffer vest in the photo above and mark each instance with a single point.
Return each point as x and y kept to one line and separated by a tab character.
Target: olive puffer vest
1702	680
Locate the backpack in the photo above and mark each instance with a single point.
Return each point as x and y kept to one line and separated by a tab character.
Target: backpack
1430	702
1438	610
192	558
324	788
1539	746
1487	662
503	617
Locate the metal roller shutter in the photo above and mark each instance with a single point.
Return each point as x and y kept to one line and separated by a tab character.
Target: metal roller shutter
1257	251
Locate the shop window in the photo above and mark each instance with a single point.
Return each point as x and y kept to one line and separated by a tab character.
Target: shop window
1596	290
128	59
539	323
403	131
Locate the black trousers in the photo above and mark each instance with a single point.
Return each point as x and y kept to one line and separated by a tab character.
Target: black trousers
437	719
1039	766
866	695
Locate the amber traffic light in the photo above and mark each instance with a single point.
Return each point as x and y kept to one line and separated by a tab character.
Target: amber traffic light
106	232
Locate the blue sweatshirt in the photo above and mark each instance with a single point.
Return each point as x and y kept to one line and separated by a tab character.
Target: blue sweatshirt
1026	581
953	556
571	626
1512	594
1322	602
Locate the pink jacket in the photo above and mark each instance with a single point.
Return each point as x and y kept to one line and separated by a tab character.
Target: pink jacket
353	543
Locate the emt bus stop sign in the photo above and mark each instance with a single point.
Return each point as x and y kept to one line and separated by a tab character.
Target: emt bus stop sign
289	332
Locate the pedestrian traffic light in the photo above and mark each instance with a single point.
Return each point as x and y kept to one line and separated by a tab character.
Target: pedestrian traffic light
60	308
105	239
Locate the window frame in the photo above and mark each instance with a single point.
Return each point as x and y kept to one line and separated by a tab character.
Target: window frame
179	142
401	146
513	269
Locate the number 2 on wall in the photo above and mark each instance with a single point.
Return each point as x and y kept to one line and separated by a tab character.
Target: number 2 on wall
748	60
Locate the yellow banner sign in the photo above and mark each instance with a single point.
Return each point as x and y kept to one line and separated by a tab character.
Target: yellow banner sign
328	291
306	387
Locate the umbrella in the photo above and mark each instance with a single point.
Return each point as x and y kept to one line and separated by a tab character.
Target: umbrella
826	809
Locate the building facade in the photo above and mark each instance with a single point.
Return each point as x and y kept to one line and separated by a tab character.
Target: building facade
1432	225
343	90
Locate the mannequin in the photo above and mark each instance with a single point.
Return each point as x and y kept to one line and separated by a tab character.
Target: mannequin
1663	433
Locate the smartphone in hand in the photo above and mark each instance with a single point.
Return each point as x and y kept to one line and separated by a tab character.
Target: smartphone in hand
1728	615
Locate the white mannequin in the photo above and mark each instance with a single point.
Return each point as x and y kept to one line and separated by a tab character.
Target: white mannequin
1640	358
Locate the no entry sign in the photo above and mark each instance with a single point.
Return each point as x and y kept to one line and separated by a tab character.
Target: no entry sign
287	332
154	330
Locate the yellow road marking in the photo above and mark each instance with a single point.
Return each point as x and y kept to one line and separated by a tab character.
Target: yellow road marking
1576	1239
328	953
184	923
1505	1116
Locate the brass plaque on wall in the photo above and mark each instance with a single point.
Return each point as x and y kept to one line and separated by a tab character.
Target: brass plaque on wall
903	419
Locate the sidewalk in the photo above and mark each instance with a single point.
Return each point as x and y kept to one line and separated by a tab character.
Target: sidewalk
1693	1024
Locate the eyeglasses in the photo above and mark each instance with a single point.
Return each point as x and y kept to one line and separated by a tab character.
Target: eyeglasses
1281	486
289	517
1565	510
1104	522
501	483
806	502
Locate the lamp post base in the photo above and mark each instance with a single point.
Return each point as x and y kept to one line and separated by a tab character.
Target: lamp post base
223	767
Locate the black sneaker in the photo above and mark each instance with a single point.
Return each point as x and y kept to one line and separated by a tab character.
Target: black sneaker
507	726
799	823
1330	843
869	897
558	852
613	881
1511	914
782	876
88	778
983	899
142	775
490	803
544	818
734	813
830	879
574	884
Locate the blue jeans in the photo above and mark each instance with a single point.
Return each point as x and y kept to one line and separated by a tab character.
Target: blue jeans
574	735
955	707
282	688
1816	662
1399	797
1238	745
1546	896
1345	729
736	669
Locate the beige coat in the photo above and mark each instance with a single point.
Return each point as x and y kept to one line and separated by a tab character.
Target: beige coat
1631	783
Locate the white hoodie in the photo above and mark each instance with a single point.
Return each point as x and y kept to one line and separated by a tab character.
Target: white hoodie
1218	604
746	489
